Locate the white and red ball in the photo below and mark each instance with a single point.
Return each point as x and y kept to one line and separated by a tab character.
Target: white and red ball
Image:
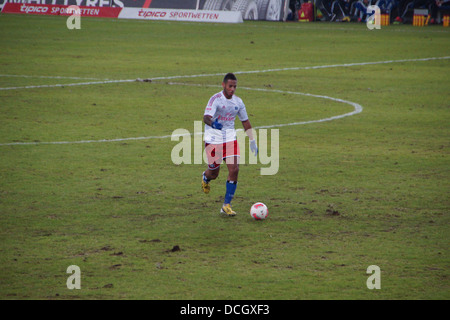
259	211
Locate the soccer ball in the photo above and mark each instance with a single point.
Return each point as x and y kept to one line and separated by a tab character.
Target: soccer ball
259	211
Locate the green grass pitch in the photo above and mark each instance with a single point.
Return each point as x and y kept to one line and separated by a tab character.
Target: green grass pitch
368	189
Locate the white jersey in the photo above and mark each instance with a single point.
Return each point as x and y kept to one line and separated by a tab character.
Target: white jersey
225	111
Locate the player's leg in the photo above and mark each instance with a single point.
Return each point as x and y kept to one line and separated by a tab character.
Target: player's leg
207	176
233	171
214	155
211	174
231	156
231	184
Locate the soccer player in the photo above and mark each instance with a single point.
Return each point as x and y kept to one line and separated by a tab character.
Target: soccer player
220	138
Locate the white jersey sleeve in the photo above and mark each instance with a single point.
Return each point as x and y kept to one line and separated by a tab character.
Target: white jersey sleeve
211	107
242	113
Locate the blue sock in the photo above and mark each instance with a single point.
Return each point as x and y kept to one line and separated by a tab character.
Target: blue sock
204	178
231	189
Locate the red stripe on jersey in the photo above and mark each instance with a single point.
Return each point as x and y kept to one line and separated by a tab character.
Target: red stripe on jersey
147	3
211	101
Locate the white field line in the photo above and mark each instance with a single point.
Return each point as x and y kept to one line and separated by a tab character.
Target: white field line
357	109
46	77
237	72
68	84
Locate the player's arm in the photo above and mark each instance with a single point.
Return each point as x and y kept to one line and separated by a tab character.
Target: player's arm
207	119
249	131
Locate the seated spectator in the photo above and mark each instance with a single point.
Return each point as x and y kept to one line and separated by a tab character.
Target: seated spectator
444	4
410	6
325	7
294	5
342	9
335	10
361	13
441	6
386	6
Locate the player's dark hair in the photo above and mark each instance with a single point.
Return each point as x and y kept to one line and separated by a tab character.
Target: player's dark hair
229	76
